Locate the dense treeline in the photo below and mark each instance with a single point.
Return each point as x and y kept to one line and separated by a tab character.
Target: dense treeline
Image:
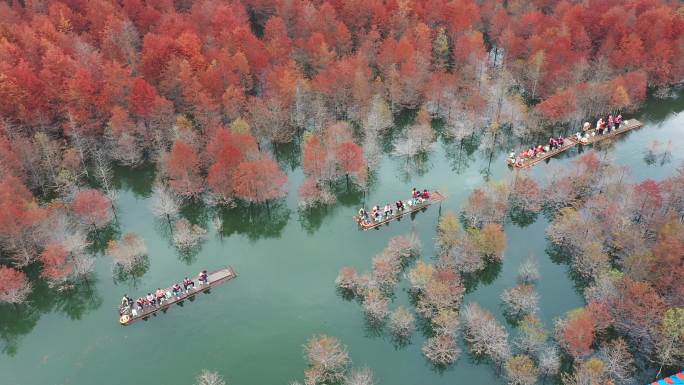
203	89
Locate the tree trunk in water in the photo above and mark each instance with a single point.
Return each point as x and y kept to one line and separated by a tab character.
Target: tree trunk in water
168	220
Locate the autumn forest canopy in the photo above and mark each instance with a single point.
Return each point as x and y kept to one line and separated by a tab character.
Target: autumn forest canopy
204	91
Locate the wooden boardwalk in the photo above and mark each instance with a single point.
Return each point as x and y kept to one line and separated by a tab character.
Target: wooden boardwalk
628	125
435	197
527	163
215	278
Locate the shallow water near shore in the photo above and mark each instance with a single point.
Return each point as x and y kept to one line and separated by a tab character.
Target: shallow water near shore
251	329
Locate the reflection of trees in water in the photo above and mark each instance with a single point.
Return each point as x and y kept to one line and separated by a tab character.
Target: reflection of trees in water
410	166
101	237
655	109
658	153
254	221
459	152
78	300
348	195
16	321
485	276
165	229
521	217
19	320
288	155
560	256
198	213
131	276
138	180
311	218
189	254
493	141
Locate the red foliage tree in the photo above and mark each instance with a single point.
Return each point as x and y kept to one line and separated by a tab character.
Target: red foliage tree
525	194
183	169
142	98
578	333
630	53
278	43
350	157
92	208
559	107
19	219
259	181
228	150
10	164
647	199
314	157
56	263
14	287
668	268
637	310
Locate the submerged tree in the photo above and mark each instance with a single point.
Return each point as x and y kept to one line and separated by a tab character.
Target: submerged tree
363	376
487	205
591	371
14	286
402	323
20	217
443	290
386	269
576	333
163	202
328	360
259	181
183	169
92	208
521	370
347	279
532	337
520	301
187	235
375	307
528	272
207	377
441	349
57	264
525	193
404	248
128	251
549	361
420	275
485	336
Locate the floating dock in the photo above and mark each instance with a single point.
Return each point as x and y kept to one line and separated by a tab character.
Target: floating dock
435	197
628	125
527	163
214	278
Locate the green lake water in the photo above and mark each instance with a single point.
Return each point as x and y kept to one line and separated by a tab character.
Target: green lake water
251	330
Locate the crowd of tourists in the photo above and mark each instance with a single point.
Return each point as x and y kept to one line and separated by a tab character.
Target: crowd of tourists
381	213
603	126
159	297
535	151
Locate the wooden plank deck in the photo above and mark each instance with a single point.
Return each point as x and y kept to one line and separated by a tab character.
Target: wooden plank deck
436	196
628	125
214	278
527	163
